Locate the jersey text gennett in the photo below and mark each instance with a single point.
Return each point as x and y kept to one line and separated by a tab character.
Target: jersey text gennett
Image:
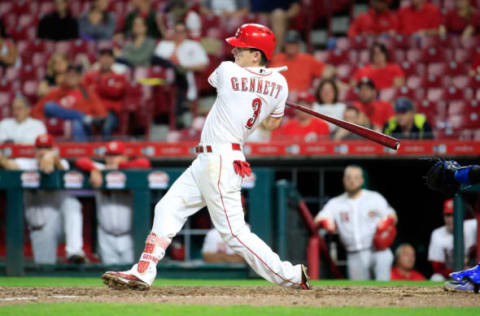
256	85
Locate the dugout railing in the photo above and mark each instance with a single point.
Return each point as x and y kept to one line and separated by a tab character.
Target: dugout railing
142	183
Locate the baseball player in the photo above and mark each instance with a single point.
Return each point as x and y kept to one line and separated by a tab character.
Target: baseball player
440	250
50	215
248	94
114	208
447	176
366	225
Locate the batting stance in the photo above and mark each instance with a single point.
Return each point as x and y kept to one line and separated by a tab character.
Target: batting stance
114	207
50	215
366	225
248	94
447	177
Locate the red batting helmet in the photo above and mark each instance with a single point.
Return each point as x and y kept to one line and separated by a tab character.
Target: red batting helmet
254	36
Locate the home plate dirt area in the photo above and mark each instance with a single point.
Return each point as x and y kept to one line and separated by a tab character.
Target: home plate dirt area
387	296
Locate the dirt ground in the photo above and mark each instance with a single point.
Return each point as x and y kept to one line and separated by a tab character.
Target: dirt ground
406	296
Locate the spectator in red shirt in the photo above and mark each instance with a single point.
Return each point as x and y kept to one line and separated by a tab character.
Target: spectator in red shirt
303	68
110	88
376	21
384	74
303	127
405	261
420	18
75	102
464	20
377	111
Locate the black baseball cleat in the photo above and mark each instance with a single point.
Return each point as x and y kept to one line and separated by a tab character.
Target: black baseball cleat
124	281
305	285
77	259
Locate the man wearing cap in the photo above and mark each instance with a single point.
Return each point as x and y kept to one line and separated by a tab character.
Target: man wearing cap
114	208
304	127
376	21
440	250
110	87
377	111
75	102
407	124
50	215
303	68
21	128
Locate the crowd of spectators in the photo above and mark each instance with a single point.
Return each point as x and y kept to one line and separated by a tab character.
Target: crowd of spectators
390	52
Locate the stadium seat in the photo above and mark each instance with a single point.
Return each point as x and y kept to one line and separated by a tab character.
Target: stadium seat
387	94
437	69
399	56
5	8
344	72
338	57
29	90
402	42
431	81
414	55
462	55
453	94
461	82
433	55
456	69
414	82
435	94
475	82
406	92
430	109
40	60
360	42
472	114
363	57
342	43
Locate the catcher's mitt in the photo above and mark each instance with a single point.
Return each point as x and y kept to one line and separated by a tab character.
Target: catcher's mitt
441	177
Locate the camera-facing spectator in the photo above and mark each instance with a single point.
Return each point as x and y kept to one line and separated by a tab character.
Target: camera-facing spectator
353	115
51	215
440	250
303	127
97	24
379	19
404	264
73	101
186	57
384	73
303	68
21	129
114	208
56	68
463	20
419	18
110	88
59	25
326	101
378	112
143	9
406	124
139	50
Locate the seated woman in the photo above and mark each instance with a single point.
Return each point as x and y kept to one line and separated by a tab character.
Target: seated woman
327	101
97	24
463	20
56	68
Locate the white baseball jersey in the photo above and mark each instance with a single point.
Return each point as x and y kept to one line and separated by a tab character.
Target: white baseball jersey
246	96
21	133
441	242
357	219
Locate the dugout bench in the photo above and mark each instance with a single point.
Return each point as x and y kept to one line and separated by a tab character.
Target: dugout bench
141	183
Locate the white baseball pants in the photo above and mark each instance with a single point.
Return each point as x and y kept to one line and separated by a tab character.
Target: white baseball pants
362	263
64	223
211	181
115	249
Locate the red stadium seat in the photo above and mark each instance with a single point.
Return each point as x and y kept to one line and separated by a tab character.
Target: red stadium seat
399	56
344	72
40	59
431	81
28	72
338	57
435	95
436	69
29	90
24	6
475	82
453	94
402	42
343	43
472	114
360	42
430	109
387	94
363	57
460	82
414	82
414	56
462	55
456	69
406	92
5	8
469	42
433	55
5	86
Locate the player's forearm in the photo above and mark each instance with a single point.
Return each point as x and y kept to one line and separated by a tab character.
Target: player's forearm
8	164
271	123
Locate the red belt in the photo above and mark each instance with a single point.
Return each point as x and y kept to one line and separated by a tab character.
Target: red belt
208	148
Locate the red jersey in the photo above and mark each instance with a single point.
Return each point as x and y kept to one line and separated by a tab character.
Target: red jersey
82	99
372	22
396	275
302	70
456	23
109	86
378	112
382	77
292	130
412	20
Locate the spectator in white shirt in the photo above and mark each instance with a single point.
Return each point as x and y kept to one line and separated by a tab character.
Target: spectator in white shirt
21	129
186	57
327	101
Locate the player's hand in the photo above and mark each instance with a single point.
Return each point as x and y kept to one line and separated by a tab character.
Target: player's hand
96	178
47	163
441	177
327	224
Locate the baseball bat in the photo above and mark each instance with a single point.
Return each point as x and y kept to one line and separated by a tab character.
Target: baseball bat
372	135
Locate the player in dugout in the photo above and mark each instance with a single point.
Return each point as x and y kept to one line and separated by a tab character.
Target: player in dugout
114	207
447	176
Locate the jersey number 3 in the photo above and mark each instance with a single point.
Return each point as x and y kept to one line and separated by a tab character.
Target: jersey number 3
257	106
